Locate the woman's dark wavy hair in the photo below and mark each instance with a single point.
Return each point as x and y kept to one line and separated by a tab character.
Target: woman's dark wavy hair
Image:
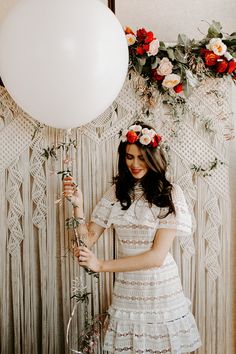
157	189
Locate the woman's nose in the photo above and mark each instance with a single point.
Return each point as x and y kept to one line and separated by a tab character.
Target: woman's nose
135	163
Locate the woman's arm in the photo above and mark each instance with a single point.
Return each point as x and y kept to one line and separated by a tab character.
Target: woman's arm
149	259
89	233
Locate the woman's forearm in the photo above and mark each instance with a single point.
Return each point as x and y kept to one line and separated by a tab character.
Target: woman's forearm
146	260
89	233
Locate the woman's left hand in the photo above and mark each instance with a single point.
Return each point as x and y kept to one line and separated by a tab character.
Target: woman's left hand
88	259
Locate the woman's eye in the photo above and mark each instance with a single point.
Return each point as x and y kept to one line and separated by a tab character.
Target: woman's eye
129	157
141	158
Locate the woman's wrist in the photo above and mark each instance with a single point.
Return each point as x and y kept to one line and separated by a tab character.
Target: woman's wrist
78	211
100	266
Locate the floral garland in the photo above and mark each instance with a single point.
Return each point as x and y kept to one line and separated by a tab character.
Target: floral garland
177	69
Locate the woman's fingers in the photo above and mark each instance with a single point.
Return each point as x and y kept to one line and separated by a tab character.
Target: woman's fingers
82	251
69	185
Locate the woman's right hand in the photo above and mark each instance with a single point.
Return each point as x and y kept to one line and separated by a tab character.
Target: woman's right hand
72	193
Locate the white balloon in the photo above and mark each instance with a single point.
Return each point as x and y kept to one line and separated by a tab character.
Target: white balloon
63	61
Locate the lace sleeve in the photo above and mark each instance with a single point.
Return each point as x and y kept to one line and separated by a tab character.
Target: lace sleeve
102	211
181	222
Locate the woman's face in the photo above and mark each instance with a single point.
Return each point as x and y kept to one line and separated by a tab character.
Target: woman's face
135	161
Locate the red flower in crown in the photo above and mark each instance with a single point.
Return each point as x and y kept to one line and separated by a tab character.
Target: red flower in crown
132	137
231	67
221	66
156	140
210	58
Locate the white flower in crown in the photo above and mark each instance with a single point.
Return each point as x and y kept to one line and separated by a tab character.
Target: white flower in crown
217	46
131	39
145	139
123	135
149	132
136	128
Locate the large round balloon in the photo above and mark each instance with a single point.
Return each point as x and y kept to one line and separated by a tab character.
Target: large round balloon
63	61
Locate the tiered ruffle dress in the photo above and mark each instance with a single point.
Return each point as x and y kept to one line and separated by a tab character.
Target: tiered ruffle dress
149	312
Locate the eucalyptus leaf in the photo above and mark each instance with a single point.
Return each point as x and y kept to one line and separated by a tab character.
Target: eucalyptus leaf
141	61
183	40
180	56
187	89
230	43
214	30
171	54
162	45
191	79
155	63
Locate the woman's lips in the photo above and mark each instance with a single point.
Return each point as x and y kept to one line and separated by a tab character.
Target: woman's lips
135	171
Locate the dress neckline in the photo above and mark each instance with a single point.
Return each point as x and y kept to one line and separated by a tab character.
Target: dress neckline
138	191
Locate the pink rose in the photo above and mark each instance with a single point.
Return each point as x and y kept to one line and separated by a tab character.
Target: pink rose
165	67
153	47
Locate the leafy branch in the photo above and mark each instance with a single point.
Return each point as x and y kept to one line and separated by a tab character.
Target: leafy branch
207	171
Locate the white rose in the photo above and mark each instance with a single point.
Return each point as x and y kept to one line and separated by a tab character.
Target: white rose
131	39
153	47
145	139
136	128
165	67
171	81
149	132
123	135
217	46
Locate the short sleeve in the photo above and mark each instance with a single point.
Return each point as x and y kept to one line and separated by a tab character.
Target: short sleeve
181	221
102	211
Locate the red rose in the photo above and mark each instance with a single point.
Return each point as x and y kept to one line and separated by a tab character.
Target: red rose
141	34
203	51
142	49
232	66
149	37
156	76
178	88
221	66
131	136
210	58
156	140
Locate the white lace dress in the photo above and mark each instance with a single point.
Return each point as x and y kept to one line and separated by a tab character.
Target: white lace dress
149	312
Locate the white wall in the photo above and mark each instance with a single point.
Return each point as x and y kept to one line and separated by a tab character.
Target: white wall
167	18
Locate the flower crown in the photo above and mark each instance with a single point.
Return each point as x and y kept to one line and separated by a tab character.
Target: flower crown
144	136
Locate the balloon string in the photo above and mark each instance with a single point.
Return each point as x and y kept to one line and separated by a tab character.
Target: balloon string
68	329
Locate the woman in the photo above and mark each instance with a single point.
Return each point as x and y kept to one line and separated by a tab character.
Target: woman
149	312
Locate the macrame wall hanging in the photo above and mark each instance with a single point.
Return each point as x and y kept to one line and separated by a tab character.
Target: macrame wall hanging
37	265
